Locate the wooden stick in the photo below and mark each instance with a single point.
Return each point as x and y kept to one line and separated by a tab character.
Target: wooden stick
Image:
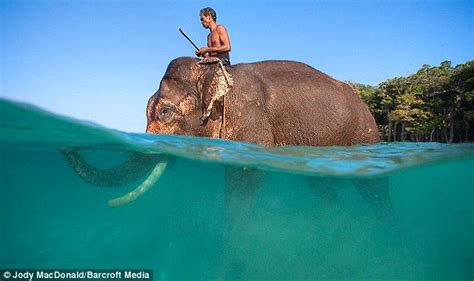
190	41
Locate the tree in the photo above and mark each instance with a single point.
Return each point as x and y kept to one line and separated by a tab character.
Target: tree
433	104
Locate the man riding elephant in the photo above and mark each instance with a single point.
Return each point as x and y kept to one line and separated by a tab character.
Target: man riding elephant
218	42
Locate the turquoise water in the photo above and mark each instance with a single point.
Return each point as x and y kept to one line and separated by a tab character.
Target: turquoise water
232	211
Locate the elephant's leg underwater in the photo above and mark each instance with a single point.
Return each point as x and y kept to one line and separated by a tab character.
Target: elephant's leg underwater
375	191
241	187
326	188
242	183
137	166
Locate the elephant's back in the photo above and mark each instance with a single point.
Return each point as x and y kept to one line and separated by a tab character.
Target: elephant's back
311	106
297	79
288	70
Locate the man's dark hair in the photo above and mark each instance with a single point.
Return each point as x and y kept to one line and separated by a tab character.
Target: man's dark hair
209	11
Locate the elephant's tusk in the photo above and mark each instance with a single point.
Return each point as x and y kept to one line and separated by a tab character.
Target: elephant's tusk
137	192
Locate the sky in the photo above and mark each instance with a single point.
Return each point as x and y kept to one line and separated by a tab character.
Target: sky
100	60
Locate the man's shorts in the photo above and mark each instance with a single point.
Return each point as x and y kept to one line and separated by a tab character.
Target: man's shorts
210	60
225	61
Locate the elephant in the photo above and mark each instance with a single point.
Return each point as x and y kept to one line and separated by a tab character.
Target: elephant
269	103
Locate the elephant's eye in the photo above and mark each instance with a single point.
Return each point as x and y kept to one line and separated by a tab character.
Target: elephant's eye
166	113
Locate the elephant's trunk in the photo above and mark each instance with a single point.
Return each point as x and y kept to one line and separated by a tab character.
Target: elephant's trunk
137	166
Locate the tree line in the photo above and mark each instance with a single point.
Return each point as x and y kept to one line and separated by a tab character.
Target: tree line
434	104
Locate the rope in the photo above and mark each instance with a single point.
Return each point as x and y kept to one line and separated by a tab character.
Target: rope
222	129
230	82
223	85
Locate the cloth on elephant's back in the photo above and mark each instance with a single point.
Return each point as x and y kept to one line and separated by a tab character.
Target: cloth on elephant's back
220	86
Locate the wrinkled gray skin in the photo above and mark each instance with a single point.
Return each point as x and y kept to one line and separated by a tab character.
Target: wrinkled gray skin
272	103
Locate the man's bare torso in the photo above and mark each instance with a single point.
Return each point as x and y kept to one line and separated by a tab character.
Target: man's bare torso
214	40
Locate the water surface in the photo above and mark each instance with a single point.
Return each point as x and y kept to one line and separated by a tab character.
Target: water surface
389	211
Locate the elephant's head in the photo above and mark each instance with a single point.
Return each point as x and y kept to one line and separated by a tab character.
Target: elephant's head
185	104
187	96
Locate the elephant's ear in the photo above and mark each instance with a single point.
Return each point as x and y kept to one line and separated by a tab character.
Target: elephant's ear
213	85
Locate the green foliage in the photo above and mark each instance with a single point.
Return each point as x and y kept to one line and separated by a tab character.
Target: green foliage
435	103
